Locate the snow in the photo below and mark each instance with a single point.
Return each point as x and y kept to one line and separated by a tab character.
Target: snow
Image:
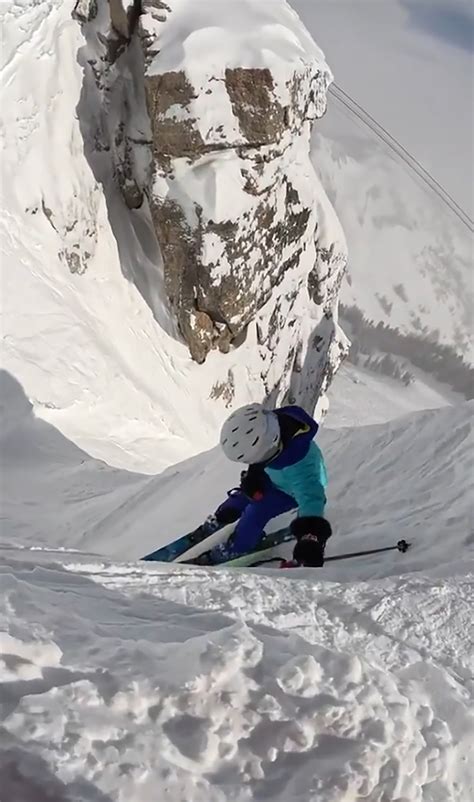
398	234
124	681
231	36
97	350
231	685
411	475
409	63
357	397
215	184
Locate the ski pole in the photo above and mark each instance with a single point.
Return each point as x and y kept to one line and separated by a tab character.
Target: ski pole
402	546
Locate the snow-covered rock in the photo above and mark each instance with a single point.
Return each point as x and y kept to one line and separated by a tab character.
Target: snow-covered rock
244	228
79	234
232	199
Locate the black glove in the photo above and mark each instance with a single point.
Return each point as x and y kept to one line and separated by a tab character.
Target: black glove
252	483
309	552
311	525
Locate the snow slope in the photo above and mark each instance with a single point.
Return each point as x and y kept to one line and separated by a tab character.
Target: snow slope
236	685
131	682
123	683
410	259
358	397
410	477
409	64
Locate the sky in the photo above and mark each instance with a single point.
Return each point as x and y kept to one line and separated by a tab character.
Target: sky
409	63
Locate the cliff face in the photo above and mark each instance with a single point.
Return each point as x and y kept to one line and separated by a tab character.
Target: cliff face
232	193
216	106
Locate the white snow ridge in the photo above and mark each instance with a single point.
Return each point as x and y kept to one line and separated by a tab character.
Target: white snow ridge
129	681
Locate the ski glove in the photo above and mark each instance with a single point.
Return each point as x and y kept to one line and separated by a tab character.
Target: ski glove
313	525
311	533
309	552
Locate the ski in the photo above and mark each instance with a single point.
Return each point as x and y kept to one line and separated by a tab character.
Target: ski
401	546
184	543
270	542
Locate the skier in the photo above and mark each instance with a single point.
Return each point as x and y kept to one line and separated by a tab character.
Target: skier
286	471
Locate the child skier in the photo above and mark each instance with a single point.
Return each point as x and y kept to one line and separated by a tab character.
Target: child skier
286	471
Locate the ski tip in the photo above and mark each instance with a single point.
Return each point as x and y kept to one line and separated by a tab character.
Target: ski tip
403	546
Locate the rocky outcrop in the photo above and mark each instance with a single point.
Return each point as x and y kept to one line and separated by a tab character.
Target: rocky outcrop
223	162
85	10
124	17
231	193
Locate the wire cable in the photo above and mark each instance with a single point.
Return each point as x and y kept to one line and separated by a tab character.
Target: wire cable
358	111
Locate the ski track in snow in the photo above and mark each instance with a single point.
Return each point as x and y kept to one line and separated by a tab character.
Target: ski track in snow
219	685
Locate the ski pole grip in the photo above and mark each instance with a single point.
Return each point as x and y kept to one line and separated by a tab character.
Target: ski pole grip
402	546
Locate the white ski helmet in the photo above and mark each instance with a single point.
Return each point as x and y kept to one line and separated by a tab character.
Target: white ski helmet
251	434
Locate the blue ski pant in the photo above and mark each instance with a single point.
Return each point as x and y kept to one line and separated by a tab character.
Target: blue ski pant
254	515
